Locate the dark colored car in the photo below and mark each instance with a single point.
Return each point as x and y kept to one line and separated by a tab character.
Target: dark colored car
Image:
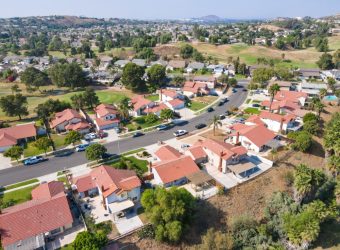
200	125
224	100
255	105
222	117
137	134
108	155
210	109
221	103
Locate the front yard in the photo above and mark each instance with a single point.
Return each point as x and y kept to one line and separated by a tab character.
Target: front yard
254	111
30	150
141	123
201	102
17	197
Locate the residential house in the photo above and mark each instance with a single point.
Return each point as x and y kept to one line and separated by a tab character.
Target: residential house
194	66
140	62
334	73
119	189
197	154
312	89
287	102
253	137
194	89
166	153
166	95
139	104
69	119
284	85
274	122
106	117
30	224
220	154
176	64
309	73
173	172
121	63
159	62
175	104
210	81
156	109
16	135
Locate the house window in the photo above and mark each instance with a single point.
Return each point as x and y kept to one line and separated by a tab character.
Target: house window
55	231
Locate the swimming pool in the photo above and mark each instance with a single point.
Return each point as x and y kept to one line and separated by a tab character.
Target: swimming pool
330	98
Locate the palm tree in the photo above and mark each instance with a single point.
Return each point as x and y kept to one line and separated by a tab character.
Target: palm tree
123	108
322	93
216	123
330	83
272	91
319	106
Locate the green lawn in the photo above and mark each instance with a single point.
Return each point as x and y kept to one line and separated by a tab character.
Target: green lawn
133	151
248	101
18	196
252	111
30	150
140	122
195	106
141	165
153	98
19	184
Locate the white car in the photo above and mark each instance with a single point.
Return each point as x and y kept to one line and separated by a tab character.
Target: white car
180	133
90	136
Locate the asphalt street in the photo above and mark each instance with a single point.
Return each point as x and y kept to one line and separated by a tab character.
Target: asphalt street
21	173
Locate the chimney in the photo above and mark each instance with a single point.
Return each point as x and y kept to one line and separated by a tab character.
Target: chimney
220	163
237	137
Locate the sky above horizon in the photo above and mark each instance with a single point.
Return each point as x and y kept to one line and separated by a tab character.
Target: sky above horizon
170	9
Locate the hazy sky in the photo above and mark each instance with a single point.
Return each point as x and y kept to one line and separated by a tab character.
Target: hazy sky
156	9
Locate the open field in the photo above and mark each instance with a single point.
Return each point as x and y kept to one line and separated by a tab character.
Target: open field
109	95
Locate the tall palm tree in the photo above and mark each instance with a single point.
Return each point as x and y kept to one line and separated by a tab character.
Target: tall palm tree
331	83
319	106
123	108
322	93
216	123
272	92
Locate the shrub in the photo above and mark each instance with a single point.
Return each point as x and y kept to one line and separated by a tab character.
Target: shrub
146	232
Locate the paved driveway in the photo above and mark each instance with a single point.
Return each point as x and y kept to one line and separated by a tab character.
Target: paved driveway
227	180
128	223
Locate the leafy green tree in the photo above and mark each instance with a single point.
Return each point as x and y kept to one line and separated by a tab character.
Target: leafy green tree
15	89
178	80
167	114
90	97
170	211
331	84
232	82
325	61
69	75
310	117
94	152
273	89
322	93
132	77
43	143
302	140
262	75
14	105
156	77
223	78
78	101
72	137
123	108
151	118
34	78
147	54
186	51
14	152
311	127
321	44
280	43
336	59
87	240
216	123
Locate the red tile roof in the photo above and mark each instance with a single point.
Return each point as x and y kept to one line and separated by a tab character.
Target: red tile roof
258	134
84	183
176	102
289	95
155	109
63	116
197	152
139	102
176	169
167	153
105	109
169	93
9	136
48	190
34	217
78	126
112	180
255	119
102	122
276	117
194	87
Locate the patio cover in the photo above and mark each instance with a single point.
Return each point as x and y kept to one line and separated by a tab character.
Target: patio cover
241	167
199	178
116	207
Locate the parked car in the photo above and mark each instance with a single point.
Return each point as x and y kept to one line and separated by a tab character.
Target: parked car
137	134
64	153
256	105
227	113
101	134
224	100
90	136
82	147
163	127
179	122
180	132
118	130
222	117
221	103
108	155
200	125
210	109
234	90
34	160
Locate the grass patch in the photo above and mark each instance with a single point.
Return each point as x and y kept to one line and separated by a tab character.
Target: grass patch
252	111
195	106
140	123
248	101
131	162
153	98
19	184
256	101
17	196
133	151
30	150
